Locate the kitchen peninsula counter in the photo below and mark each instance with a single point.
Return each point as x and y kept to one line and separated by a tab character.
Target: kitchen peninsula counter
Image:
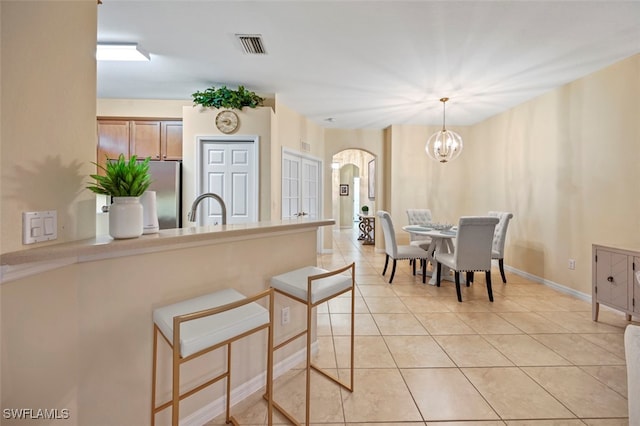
22	263
77	327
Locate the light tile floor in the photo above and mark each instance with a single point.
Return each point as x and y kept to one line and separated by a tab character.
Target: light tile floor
532	357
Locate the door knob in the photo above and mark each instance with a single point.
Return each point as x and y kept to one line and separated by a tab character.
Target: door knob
610	279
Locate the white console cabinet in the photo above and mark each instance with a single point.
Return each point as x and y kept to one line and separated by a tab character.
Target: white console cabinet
615	280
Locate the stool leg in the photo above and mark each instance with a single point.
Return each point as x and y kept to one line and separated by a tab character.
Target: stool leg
175	390
270	363
154	375
307	414
228	405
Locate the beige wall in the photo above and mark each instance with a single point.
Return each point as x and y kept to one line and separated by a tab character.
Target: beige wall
156	108
567	164
48	136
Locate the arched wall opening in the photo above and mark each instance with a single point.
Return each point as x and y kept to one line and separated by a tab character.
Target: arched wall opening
353	177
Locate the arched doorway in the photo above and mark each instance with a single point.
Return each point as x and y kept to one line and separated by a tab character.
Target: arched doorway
353	181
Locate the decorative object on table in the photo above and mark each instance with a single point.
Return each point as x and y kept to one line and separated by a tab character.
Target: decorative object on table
365	210
344	189
227	98
444	145
227	121
125	181
441	226
372	179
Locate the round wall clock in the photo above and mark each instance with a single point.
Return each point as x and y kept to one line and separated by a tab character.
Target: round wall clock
226	121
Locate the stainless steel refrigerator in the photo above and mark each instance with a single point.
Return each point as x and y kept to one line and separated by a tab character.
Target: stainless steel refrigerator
166	180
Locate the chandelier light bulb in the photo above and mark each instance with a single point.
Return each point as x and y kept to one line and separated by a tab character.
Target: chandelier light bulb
444	145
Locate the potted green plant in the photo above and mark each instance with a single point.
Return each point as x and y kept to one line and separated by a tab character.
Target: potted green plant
125	181
365	210
227	98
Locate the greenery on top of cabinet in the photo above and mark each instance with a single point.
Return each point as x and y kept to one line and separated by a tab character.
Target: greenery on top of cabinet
227	98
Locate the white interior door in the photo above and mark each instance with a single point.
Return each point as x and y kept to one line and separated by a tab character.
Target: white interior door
229	169
300	186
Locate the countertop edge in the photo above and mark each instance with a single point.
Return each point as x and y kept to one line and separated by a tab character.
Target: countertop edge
19	264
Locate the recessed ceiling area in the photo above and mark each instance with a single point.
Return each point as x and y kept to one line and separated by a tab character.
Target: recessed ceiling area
367	64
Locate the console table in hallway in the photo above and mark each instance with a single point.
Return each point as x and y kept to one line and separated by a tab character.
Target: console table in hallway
367	228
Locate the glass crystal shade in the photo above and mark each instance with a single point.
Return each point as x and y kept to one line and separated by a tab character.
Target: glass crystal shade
444	146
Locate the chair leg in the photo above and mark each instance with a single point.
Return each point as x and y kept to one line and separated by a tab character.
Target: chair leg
438	273
488	273
386	263
458	292
501	265
393	271
469	278
424	270
414	266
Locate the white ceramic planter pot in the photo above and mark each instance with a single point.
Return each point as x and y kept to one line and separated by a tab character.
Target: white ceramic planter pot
125	218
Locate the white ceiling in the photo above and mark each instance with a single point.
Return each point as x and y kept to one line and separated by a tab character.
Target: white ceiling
368	64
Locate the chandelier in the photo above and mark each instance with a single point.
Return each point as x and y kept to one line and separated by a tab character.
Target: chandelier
444	145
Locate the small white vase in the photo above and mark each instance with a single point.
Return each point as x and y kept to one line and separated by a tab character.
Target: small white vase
125	218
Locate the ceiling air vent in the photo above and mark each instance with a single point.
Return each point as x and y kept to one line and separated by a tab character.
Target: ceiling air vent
252	44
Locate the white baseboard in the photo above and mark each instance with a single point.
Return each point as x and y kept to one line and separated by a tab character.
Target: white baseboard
239	393
561	288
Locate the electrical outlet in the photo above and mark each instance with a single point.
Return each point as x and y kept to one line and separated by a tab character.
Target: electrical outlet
286	317
572	264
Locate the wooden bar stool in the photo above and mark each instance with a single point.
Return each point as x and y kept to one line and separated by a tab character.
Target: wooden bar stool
312	286
200	325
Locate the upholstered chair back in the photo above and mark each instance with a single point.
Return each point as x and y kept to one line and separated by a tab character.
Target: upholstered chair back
390	245
473	245
500	233
418	216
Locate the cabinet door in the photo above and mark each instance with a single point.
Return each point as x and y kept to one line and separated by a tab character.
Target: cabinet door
172	140
145	139
113	139
636	285
612	274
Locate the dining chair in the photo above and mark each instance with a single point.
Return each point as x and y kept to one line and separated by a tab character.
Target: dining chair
399	252
632	355
499	237
472	251
419	217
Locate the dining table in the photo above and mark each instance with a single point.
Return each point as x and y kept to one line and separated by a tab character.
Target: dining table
441	242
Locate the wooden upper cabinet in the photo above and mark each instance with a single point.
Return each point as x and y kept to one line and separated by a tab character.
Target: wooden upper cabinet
171	140
155	138
113	140
145	139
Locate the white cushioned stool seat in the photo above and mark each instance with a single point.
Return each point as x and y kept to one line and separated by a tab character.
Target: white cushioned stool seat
205	332
295	283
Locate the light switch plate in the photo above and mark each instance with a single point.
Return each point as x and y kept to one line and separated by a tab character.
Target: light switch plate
39	226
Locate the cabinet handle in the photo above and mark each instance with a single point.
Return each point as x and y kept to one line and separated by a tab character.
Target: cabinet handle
610	279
